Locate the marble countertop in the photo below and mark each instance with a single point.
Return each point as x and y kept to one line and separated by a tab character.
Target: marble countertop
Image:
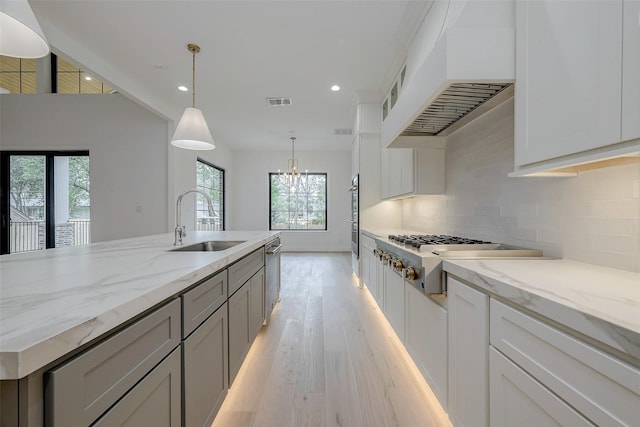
601	303
55	301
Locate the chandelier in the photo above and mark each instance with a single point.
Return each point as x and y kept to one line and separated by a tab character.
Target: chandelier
292	177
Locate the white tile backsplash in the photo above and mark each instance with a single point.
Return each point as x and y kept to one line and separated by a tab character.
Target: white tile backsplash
593	218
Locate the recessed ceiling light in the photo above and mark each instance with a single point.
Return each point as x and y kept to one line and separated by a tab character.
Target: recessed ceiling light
183	88
335	88
87	78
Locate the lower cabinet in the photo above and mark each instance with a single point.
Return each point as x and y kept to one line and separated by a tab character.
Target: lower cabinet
81	390
394	300
426	339
205	370
468	401
154	401
246	315
519	400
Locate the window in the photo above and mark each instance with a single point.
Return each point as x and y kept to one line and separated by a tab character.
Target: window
302	206
17	75
71	79
46	200
210	179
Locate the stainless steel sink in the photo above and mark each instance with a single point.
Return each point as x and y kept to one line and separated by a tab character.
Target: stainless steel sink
209	246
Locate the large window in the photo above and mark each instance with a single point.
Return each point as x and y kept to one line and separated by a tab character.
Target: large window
209	179
301	206
45	200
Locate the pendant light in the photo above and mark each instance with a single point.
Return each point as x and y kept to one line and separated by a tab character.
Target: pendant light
292	167
20	33
192	131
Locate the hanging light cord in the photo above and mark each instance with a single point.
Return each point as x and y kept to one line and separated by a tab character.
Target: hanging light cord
193	48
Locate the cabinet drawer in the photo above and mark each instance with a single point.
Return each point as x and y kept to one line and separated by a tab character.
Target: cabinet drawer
200	302
603	388
519	400
81	390
154	401
242	270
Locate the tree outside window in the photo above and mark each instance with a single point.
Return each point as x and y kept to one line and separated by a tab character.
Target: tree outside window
302	206
210	179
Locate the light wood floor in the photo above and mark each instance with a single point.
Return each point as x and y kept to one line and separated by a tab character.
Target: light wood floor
327	358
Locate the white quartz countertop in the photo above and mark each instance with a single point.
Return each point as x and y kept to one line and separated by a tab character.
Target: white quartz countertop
601	303
54	301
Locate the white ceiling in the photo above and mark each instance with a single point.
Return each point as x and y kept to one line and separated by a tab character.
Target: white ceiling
251	50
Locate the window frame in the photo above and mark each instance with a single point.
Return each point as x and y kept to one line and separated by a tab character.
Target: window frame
326	205
223	197
50	209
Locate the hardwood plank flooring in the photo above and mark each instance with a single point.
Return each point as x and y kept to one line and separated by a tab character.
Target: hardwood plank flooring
327	358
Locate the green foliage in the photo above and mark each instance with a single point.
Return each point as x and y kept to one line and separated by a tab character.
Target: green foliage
302	206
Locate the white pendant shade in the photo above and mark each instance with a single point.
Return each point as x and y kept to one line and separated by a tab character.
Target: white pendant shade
192	131
20	33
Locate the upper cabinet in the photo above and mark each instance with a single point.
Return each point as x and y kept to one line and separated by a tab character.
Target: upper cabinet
412	172
631	70
577	89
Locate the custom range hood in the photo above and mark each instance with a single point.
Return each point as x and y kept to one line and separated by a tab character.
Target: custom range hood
461	64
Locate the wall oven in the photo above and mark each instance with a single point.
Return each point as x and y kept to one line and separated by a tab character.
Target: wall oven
355	225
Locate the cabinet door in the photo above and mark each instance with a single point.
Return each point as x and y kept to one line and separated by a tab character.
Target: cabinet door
385	186
154	401
519	400
238	330
394	301
382	285
202	301
205	370
568	77
631	70
407	171
256	306
468	355
426	339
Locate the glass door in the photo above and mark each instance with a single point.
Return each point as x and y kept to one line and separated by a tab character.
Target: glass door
45	200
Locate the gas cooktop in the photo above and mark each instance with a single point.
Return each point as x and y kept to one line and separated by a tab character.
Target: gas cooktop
417	240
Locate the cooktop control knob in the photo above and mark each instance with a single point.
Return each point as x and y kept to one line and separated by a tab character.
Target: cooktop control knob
397	264
410	273
385	258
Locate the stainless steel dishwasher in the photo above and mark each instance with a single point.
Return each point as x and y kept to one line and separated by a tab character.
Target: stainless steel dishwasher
272	295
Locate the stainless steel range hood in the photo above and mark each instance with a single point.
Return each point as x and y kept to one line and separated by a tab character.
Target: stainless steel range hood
465	70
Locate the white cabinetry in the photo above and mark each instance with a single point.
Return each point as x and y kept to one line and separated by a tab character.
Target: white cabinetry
412	172
369	267
631	70
394	300
426	339
519	400
468	355
601	387
571	96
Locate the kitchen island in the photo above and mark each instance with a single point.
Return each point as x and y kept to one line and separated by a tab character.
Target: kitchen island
56	303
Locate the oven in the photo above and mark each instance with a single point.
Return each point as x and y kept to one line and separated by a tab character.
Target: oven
355	223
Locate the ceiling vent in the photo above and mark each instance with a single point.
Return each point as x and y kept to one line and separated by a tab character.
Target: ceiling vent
278	102
344	131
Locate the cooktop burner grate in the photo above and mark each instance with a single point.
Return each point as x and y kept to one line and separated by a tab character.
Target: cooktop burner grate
417	240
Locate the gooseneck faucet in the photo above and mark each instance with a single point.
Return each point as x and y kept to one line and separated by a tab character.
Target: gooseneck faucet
181	230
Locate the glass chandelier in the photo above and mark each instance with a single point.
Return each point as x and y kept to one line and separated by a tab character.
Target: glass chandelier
292	176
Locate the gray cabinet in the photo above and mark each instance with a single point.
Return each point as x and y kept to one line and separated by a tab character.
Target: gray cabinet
154	401
78	392
256	304
239	336
244	269
468	401
206	370
202	301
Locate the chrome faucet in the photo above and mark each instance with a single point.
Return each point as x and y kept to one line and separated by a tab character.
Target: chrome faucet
181	230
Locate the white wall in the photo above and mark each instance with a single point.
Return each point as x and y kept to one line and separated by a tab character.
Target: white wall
592	218
251	196
182	176
128	154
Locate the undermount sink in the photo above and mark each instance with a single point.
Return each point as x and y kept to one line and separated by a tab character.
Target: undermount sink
209	246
